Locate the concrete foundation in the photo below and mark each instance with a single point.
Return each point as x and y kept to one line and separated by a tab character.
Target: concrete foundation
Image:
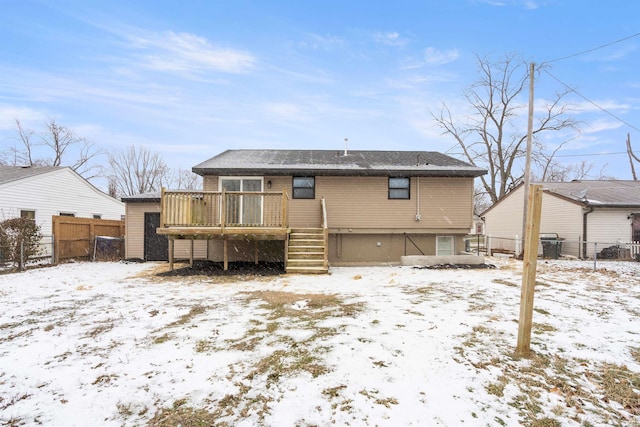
435	260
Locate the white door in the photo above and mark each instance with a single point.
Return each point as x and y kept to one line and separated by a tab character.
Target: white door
242	209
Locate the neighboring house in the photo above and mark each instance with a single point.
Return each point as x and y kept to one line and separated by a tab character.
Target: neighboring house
40	192
312	208
585	214
142	242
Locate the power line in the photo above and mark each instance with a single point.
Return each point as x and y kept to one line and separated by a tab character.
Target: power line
591	102
593	49
592	154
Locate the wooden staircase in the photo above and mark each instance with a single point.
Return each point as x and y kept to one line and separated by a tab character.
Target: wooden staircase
307	251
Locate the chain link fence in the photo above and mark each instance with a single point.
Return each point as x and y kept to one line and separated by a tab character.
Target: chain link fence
554	247
44	255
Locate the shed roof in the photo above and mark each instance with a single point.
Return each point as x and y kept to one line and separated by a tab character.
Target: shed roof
142	198
332	162
602	193
14	173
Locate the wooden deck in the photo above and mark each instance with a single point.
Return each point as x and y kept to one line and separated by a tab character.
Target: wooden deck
196	215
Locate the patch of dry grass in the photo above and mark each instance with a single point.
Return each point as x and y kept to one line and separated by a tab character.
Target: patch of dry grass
184	416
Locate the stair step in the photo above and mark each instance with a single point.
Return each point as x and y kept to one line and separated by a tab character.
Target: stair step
306	255
307	270
306	251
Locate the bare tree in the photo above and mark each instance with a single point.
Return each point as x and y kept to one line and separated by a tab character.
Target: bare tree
56	146
24	156
183	179
136	171
492	137
61	140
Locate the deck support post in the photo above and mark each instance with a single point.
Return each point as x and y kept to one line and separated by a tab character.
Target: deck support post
286	251
225	252
171	240
256	252
191	254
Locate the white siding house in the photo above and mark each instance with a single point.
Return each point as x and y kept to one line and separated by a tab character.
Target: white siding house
40	192
587	215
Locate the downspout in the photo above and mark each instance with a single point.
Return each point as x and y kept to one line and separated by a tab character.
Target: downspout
418	216
584	231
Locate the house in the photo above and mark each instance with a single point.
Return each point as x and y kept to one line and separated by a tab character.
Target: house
40	192
142	218
586	216
312	208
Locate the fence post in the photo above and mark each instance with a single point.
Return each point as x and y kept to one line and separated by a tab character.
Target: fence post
516	249
487	245
21	264
595	255
53	255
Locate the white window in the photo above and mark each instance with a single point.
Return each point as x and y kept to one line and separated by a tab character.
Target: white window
445	246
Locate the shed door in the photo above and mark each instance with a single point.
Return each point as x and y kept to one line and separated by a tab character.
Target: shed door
156	246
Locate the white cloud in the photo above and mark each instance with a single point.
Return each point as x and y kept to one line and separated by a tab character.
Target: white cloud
390	39
189	53
433	56
27	117
315	41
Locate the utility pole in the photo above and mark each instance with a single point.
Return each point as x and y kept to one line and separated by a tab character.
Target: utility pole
631	157
527	165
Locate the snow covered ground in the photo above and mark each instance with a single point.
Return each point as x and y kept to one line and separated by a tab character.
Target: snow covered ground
114	344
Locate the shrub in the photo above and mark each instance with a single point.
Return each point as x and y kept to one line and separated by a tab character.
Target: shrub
15	232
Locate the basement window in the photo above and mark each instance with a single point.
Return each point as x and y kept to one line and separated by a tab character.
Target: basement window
304	187
399	188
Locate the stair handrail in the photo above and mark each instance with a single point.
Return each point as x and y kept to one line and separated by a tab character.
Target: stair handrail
325	229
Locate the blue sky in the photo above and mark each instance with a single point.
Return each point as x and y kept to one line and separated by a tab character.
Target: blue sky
190	79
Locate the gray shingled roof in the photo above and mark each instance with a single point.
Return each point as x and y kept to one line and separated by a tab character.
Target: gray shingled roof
598	193
14	173
142	198
332	162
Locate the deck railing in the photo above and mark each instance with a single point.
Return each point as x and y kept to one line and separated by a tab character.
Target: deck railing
223	209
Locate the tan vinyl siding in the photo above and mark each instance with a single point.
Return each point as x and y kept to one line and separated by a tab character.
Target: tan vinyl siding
355	249
134	228
210	183
134	234
362	202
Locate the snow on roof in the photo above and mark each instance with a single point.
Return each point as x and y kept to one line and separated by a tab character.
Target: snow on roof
332	162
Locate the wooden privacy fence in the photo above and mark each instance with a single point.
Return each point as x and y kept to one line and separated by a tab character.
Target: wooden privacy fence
76	238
